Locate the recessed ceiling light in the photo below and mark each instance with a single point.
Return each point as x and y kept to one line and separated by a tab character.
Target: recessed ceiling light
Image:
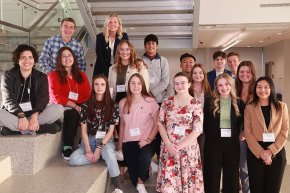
249	46
132	28
208	27
261	41
279	33
52	28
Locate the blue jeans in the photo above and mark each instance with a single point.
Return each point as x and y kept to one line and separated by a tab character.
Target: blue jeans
78	157
244	167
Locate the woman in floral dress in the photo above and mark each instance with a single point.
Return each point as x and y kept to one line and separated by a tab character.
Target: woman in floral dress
180	123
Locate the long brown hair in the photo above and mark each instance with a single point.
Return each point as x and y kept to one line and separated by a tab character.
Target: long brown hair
76	72
216	94
134	62
107	103
205	84
129	99
239	83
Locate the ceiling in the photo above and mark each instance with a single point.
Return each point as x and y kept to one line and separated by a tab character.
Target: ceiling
179	19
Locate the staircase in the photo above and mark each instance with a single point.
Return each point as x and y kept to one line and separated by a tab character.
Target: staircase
33	164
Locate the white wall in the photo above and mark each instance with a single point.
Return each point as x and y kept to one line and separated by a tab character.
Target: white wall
279	54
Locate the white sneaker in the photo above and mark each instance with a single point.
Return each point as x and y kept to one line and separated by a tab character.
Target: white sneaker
119	155
141	188
117	191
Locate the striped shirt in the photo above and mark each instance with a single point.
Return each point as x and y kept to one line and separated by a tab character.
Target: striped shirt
47	59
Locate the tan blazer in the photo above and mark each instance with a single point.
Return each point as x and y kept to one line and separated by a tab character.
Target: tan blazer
254	127
113	77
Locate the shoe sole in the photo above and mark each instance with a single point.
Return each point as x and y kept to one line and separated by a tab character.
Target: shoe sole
65	158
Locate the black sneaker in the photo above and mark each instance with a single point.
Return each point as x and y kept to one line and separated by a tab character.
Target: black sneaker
6	131
52	128
66	154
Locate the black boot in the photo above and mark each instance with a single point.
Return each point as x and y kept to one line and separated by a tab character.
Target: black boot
52	128
6	131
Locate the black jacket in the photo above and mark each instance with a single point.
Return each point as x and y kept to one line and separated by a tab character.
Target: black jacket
211	123
11	90
103	52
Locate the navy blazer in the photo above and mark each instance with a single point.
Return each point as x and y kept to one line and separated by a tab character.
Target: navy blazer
103	52
211	76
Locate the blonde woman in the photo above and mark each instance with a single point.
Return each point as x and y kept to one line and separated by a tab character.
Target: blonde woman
223	118
107	42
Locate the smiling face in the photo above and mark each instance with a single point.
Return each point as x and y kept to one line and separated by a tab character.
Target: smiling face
100	86
151	48
135	86
245	74
263	90
197	74
26	61
113	24
67	29
224	87
233	63
181	85
125	53
186	64
67	59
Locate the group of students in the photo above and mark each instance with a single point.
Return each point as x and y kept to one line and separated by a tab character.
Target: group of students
220	121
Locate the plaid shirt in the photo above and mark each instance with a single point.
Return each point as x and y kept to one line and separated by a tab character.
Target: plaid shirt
47	59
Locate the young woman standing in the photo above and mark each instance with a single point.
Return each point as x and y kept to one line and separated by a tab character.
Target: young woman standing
180	123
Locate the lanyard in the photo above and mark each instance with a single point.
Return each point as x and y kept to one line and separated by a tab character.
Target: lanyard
28	88
69	85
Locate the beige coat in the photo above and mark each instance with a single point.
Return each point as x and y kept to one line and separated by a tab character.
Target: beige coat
254	127
113	77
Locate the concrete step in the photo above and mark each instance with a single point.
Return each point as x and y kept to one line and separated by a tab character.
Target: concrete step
5	168
28	153
59	177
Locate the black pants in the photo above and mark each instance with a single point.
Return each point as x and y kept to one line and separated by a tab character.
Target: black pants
263	178
221	155
70	125
138	160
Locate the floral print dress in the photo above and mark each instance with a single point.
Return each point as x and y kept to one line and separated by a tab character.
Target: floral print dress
181	173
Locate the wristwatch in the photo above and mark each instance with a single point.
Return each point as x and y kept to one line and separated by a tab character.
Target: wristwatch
21	115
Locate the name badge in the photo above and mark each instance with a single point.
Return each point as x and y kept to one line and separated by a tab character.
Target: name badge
151	80
73	95
226	133
268	137
100	134
26	106
135	132
121	88
179	130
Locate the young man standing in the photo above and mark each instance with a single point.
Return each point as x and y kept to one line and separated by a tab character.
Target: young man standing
233	60
219	58
47	59
158	69
186	62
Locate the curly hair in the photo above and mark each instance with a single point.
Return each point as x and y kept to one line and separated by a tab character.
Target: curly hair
216	94
76	72
22	48
106	29
134	62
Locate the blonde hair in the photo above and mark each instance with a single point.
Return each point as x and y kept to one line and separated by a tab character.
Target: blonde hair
106	29
233	95
134	62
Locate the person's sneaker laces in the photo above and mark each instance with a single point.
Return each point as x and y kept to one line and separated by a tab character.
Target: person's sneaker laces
141	188
66	154
117	190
